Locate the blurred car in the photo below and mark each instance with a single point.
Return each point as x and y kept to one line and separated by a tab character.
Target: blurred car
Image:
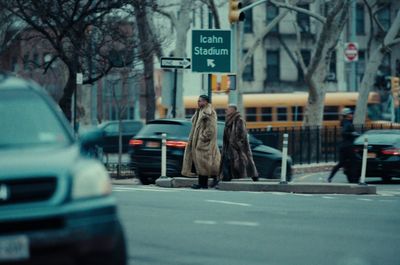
383	159
146	156
55	203
110	131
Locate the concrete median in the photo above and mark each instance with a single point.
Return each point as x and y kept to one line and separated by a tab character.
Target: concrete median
266	185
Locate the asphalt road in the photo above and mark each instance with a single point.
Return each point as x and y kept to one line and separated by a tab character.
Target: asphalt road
183	226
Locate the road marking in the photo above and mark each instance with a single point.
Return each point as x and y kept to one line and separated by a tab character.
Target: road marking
230	203
303	195
143	189
328	197
241	223
205	222
366	200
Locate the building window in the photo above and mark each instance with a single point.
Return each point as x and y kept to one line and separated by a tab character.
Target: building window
360	65
248	71
220	114
36	60
266	114
273	73
331	113
332	68
248	22
14	64
282	113
306	54
251	114
189	113
385	65
272	13
303	20
360	20
297	113
26	61
384	17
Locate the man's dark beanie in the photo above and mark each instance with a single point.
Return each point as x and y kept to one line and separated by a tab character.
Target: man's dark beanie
205	97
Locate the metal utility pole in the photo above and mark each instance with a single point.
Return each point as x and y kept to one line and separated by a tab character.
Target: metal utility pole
352	78
210	26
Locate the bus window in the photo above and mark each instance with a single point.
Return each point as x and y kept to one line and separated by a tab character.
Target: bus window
189	113
374	112
220	114
331	113
282	113
266	114
251	114
297	113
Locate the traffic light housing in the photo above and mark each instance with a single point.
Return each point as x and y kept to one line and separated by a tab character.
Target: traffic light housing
395	83
235	15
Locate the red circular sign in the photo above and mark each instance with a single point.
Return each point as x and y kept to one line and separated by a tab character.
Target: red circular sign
351	51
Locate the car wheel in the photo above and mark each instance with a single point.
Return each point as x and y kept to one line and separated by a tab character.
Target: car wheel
276	172
387	179
145	180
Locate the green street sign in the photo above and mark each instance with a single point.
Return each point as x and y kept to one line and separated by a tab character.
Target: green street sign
211	51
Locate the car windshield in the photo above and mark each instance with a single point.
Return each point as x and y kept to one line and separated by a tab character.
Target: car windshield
22	127
176	129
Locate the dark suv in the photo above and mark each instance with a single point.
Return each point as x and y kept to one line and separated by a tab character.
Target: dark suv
145	151
56	205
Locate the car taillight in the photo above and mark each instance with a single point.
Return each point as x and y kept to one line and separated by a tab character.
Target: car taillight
391	151
135	142
177	144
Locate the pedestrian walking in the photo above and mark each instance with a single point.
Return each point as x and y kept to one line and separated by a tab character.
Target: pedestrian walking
202	156
348	135
236	158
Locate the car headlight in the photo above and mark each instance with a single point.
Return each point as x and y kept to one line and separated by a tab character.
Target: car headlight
90	180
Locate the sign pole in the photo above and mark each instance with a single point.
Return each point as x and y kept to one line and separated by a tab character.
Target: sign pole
174	93
209	92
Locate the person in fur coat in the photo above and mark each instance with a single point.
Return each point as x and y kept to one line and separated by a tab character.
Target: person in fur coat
237	159
202	156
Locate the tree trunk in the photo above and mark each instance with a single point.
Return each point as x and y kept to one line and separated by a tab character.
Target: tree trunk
318	67
371	69
366	86
183	25
66	99
147	55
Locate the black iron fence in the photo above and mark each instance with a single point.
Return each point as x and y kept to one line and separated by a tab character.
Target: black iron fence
309	145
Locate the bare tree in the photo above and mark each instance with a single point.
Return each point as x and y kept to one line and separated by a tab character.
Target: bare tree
391	39
66	26
315	72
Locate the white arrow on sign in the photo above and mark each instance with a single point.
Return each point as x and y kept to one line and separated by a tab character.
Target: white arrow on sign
210	62
177	63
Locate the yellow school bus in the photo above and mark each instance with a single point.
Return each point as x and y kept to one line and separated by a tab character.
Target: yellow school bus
282	109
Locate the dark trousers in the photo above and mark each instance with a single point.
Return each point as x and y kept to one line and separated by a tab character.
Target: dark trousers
345	156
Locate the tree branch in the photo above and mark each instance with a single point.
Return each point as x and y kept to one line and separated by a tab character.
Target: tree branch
299	10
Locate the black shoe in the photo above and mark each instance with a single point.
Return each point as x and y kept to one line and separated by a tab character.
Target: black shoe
254	178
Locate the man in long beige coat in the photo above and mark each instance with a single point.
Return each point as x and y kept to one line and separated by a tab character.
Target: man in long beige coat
202	156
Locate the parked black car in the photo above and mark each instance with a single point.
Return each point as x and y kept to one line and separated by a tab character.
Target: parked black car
145	151
383	155
110	131
55	203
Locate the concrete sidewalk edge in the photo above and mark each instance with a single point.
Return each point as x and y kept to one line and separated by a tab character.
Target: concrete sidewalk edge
274	186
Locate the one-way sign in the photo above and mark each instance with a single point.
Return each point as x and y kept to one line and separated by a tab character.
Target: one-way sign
175	63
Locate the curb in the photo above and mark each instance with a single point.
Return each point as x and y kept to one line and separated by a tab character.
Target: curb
273	186
130	181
